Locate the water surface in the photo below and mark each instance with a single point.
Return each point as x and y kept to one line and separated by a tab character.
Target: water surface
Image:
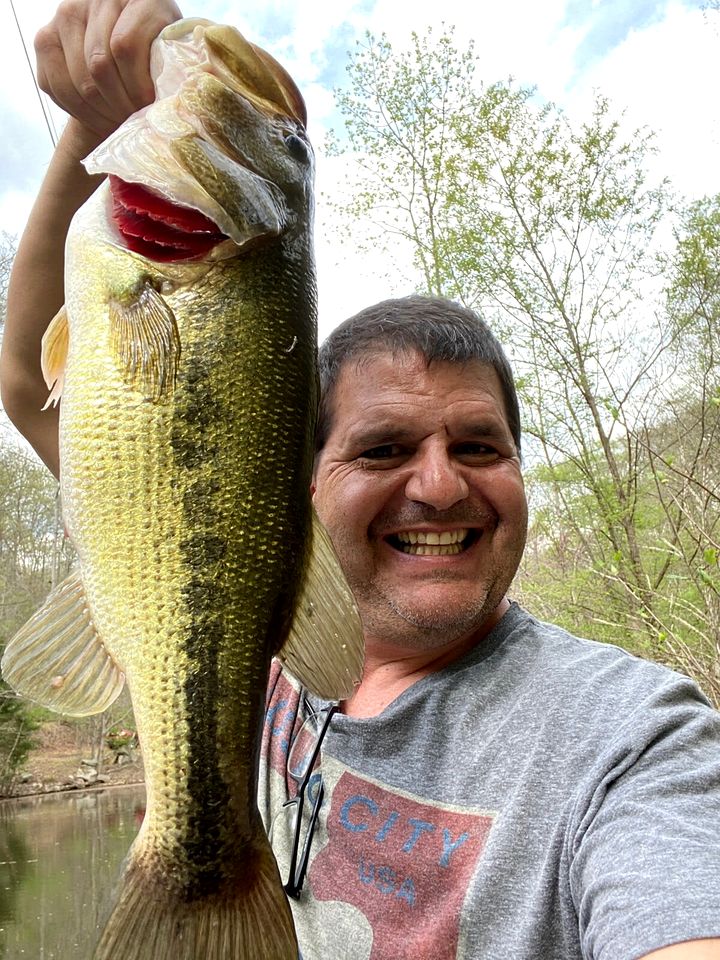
60	856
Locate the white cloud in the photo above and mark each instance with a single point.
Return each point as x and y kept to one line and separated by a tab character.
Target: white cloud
665	78
15	206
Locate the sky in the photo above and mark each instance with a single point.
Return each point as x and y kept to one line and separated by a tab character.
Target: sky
655	60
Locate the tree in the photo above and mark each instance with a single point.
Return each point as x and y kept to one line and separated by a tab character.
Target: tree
399	122
560	255
33	557
682	441
550	229
7	254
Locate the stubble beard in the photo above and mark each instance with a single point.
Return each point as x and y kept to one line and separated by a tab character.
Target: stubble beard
426	627
404	621
392	619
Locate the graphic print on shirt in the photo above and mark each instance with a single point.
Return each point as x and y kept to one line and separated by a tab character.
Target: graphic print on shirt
398	861
402	861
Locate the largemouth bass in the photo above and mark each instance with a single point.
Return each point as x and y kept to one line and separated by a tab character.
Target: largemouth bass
185	357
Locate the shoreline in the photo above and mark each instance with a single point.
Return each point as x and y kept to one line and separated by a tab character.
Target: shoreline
54	790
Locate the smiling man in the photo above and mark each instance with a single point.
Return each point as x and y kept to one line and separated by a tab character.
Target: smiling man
496	787
418	481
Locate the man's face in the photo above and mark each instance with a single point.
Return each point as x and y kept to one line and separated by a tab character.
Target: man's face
420	488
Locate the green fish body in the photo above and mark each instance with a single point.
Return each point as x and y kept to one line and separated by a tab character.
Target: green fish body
188	409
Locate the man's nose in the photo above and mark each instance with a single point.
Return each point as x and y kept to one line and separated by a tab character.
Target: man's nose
436	480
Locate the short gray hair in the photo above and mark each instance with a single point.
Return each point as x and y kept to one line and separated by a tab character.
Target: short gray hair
440	330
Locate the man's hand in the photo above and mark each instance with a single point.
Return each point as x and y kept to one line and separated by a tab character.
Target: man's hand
94	58
94	61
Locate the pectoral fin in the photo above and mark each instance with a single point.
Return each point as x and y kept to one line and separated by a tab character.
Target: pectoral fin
145	341
325	647
54	356
58	660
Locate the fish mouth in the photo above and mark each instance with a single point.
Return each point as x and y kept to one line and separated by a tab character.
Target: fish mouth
433	543
159	229
219	160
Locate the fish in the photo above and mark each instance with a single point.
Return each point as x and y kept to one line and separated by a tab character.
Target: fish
185	361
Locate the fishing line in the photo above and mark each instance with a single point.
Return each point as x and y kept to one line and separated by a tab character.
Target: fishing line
46	113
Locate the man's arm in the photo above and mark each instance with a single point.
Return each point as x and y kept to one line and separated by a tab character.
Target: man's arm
93	60
35	294
690	950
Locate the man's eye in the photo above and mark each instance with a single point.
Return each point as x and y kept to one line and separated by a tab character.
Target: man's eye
476	451
386	451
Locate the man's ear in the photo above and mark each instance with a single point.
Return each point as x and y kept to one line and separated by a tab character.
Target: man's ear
313	488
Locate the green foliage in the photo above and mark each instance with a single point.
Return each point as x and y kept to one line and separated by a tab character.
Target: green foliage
33	554
574	574
399	114
121	739
16	728
693	291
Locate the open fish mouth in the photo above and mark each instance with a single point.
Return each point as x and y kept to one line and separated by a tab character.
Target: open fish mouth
435	543
159	229
218	161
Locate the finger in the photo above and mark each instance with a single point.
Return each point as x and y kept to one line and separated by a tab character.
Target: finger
97	66
133	34
63	73
54	78
93	57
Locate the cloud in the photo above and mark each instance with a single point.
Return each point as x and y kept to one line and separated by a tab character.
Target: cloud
23	141
608	23
664	78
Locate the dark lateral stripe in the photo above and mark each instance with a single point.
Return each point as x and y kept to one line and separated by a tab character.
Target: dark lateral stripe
242	449
193	448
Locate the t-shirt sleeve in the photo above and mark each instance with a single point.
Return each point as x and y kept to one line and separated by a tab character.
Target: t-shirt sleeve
644	843
282	705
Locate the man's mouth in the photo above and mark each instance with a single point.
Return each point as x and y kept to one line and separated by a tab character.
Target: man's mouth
433	543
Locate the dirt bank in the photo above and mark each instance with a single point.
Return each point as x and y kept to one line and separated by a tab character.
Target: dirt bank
58	762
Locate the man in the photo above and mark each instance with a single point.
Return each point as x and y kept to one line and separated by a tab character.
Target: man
495	787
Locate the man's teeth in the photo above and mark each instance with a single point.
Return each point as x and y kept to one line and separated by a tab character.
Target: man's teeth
432	544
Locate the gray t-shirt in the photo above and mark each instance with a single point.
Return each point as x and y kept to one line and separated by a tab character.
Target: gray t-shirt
543	797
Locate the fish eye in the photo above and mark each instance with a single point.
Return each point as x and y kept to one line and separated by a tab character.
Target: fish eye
297	148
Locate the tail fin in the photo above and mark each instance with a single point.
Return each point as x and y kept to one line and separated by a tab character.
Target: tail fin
249	921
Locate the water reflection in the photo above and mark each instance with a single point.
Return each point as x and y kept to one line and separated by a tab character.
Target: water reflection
60	856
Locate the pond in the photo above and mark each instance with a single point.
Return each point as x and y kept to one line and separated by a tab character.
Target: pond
60	856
